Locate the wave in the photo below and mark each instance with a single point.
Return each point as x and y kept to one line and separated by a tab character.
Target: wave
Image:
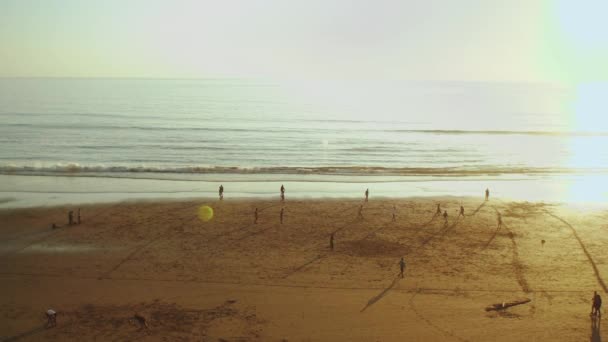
74	169
288	129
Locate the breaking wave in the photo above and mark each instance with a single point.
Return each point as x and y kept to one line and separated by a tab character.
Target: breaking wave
74	169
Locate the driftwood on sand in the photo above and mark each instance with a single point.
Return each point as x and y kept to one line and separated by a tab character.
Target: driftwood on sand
504	305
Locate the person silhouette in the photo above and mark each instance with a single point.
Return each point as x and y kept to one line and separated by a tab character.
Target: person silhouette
596	304
366	194
461	211
221	192
282	193
401	267
487	194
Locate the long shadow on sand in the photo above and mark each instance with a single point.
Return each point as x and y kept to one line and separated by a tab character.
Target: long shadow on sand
381	295
595	330
28	333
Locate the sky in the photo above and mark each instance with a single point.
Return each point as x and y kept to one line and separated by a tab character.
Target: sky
562	41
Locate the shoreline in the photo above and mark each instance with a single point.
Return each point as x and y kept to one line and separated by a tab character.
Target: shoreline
36	191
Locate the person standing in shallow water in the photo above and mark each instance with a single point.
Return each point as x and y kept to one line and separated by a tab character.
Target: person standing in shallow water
487	194
221	192
366	195
282	193
401	267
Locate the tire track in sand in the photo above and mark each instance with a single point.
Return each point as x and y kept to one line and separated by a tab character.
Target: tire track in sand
582	245
430	323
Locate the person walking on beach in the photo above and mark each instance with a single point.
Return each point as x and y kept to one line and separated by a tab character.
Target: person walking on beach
360	214
366	194
499	219
401	267
51	318
71	217
331	241
438	212
461	211
282	210
445	217
221	192
282	193
487	194
255	214
596	304
78	215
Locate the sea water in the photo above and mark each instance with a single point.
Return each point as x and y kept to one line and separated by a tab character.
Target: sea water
75	140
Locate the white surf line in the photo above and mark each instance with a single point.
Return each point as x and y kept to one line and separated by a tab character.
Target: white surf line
587	254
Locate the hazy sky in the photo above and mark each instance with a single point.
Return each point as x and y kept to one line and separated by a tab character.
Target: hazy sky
502	40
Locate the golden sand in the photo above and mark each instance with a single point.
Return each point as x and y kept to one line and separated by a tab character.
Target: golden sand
228	279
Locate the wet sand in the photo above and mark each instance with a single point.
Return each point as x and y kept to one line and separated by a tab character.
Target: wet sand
229	279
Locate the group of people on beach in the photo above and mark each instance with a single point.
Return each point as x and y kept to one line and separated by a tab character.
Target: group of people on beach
256	212
596	300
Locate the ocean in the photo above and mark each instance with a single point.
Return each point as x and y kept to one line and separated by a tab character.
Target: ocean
89	140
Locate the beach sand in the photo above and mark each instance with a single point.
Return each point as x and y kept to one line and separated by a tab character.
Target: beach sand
231	280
